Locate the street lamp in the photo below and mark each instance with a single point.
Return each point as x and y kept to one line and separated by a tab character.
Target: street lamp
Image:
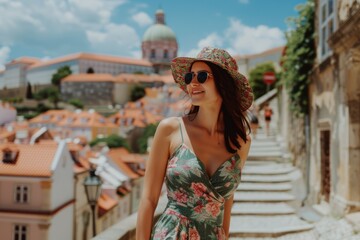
92	186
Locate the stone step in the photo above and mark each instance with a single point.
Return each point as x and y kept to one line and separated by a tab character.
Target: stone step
265	155
270	169
271	143
259	162
264	187
266	178
262	197
242	208
266	226
263	138
265	148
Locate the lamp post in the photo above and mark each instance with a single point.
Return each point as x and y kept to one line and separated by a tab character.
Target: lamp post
92	184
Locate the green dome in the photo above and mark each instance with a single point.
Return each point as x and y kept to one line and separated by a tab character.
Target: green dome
159	32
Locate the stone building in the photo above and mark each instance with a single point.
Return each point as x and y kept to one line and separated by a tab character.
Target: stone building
335	107
159	44
23	74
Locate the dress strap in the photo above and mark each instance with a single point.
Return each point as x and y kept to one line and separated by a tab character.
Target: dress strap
182	137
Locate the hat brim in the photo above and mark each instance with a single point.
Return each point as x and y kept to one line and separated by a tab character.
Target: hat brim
182	65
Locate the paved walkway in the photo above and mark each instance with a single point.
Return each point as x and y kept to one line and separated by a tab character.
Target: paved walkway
268	199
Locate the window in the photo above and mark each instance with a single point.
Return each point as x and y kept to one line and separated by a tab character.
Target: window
20	232
84	120
152	55
327	26
166	54
21	193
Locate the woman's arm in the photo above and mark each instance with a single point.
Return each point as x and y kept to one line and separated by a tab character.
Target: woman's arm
154	178
227	215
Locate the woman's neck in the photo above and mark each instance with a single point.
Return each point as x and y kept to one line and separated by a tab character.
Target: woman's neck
209	118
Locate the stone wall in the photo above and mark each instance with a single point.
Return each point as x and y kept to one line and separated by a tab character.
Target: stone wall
90	93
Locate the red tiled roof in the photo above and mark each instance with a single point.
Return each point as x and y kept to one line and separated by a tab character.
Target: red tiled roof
85	77
26	60
117	154
33	160
135	78
51	116
105	203
94	57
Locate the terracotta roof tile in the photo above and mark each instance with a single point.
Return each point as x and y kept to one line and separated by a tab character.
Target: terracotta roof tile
86	119
95	77
95	57
116	154
51	116
105	203
136	78
33	160
26	60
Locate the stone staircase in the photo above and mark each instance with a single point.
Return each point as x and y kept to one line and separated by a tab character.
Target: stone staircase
267	199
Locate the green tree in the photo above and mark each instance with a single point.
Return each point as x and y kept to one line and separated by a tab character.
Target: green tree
50	93
149	131
299	57
54	96
112	141
76	103
61	73
256	78
137	93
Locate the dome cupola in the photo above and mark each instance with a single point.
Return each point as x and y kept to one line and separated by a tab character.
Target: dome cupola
159	44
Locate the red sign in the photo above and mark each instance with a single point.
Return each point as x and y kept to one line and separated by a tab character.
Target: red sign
269	78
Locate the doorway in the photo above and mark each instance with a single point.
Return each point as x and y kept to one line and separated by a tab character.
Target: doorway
325	164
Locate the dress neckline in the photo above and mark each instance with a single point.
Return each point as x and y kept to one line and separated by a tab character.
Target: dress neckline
202	165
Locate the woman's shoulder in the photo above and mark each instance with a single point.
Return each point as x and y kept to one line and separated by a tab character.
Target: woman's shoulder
169	124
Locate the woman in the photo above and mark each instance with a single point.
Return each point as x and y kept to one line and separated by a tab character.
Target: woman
200	155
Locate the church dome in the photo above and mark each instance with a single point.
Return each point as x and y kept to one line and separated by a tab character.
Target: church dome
158	32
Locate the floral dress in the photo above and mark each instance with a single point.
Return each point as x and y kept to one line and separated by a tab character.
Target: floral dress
195	206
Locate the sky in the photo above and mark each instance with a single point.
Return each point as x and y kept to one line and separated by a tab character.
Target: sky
48	29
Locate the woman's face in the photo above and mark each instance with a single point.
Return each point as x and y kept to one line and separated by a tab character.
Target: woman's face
203	93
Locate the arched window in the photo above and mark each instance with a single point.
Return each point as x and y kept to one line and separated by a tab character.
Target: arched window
152	53
166	53
90	70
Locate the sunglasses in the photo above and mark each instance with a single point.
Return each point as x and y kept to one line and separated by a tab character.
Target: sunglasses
202	76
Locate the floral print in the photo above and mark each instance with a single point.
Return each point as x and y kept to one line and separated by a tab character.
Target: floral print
196	201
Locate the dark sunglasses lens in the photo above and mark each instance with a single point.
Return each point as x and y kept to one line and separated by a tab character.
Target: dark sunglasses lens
188	77
202	76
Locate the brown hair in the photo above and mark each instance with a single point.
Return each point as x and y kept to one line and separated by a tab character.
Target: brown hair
235	122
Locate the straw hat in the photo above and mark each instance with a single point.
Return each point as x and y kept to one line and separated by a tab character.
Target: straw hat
220	57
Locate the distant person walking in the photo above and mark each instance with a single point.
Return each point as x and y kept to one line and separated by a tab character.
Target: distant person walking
268	112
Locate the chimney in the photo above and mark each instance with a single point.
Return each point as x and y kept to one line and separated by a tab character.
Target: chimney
10	155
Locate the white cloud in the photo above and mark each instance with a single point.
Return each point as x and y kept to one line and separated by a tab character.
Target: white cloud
213	40
142	19
114	39
241	39
244	39
55	26
4	55
244	1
